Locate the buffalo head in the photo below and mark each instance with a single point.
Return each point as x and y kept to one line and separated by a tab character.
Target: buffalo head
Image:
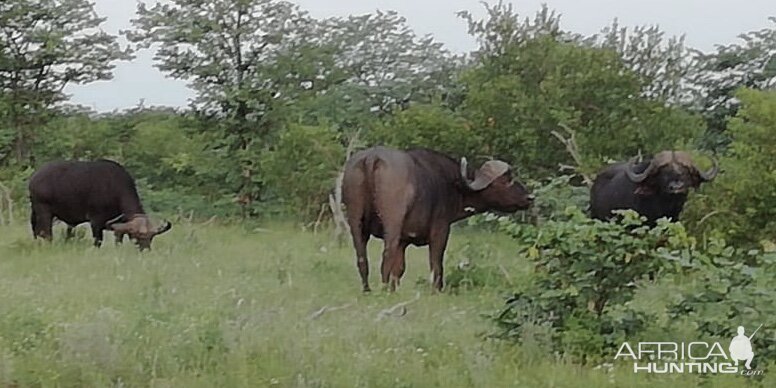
670	172
139	228
496	188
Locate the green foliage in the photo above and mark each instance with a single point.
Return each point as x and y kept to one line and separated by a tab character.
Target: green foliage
584	296
258	66
467	277
234	57
740	204
531	80
45	46
748	63
555	195
731	287
428	126
301	168
585	273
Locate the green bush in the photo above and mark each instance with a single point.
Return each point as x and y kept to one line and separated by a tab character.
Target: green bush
300	169
587	273
740	205
428	126
519	95
555	195
729	287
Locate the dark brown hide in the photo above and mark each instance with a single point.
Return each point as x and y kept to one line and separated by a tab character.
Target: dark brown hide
412	197
100	192
655	188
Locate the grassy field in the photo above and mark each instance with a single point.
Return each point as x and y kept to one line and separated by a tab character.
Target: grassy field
225	306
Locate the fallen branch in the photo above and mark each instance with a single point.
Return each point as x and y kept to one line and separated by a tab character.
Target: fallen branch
398	310
326	309
319	220
210	221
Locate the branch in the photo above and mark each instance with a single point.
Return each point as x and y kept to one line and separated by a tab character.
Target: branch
325	309
398	310
335	197
573	149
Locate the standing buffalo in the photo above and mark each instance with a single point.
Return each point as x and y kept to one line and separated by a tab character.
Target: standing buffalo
412	197
101	192
654	188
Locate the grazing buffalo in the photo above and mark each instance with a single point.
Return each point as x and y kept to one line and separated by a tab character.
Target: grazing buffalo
654	188
412	197
101	192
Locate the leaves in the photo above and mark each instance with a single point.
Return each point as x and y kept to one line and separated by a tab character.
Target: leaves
587	274
531	79
740	204
46	45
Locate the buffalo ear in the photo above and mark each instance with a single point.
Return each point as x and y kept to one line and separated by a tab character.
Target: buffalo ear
644	190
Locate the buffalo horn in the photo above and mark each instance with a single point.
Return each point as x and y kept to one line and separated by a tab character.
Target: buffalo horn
114	220
485	175
712	173
636	177
165	226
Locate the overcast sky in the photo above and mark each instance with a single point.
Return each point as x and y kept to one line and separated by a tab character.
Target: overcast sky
704	22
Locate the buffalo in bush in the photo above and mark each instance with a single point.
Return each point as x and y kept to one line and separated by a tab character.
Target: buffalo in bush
654	188
99	192
412	197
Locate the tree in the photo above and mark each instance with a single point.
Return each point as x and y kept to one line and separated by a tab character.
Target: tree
46	45
531	80
663	63
380	55
259	66
231	53
377	66
750	64
740	204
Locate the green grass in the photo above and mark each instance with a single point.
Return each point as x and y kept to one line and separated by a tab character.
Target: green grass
224	306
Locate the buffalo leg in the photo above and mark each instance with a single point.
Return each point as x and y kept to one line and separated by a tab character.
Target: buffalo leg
392	202
41	220
360	240
398	266
391	253
393	258
436	254
119	237
97	227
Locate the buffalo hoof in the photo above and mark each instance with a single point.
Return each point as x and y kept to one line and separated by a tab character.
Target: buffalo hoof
393	283
366	290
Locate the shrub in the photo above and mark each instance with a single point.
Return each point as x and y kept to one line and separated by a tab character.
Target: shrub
731	287
428	126
586	276
301	168
740	204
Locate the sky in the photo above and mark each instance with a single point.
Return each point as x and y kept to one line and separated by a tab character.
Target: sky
704	23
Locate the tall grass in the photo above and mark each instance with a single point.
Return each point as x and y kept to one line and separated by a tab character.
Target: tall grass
224	306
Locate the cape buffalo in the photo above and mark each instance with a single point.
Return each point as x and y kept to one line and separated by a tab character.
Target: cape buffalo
654	188
101	192
412	197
